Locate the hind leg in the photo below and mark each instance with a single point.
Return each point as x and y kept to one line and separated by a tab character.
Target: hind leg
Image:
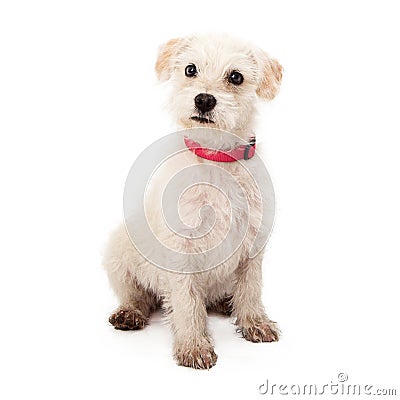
136	301
137	304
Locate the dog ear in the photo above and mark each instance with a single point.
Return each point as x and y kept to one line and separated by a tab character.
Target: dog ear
167	52
270	76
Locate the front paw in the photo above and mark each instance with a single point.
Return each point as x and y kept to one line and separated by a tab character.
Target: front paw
196	356
257	332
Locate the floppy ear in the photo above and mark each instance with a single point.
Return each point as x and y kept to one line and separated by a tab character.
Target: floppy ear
270	76
164	64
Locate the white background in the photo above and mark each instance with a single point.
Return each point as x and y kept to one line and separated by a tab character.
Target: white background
79	101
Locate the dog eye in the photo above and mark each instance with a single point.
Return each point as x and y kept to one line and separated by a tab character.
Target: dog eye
236	78
190	70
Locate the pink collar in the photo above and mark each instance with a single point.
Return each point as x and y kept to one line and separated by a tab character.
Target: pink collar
243	152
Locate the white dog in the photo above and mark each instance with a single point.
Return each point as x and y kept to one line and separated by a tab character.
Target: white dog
216	81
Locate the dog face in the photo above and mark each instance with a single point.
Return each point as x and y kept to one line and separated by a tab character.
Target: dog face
216	80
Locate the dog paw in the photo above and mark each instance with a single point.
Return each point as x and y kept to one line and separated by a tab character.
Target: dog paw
202	357
128	319
261	332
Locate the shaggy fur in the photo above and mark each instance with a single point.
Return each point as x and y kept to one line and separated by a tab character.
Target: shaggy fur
234	287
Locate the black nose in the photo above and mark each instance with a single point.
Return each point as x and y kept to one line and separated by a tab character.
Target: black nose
205	102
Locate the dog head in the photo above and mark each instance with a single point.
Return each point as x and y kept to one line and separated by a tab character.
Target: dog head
216	80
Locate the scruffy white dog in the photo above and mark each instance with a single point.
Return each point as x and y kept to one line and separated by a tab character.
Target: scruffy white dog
216	81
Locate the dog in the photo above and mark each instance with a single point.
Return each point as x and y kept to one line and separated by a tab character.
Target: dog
216	83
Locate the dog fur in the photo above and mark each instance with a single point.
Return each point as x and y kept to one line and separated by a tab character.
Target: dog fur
234	287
